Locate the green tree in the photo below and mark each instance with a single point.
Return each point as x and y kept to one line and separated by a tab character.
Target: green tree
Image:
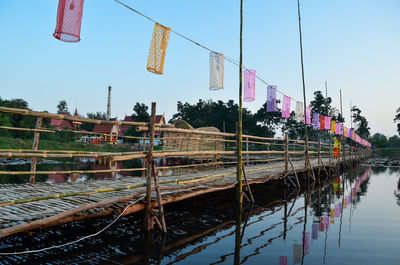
394	141
320	104
397	120
96	116
62	107
379	140
13	120
140	112
361	123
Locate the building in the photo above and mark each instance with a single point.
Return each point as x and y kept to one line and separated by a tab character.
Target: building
112	132
65	124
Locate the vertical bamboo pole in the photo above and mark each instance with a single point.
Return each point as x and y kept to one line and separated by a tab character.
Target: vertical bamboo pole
304	91
144	159
319	152
35	146
330	148
286	152
247	149
149	223
239	145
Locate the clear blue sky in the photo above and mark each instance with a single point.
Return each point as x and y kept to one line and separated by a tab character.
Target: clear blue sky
353	44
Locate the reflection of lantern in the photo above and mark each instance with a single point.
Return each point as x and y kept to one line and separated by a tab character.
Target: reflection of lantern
158	47
69	18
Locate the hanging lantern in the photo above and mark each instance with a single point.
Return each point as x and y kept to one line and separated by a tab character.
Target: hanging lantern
249	85
158	47
327	123
69	18
308	116
271	99
299	113
315	118
216	71
286	107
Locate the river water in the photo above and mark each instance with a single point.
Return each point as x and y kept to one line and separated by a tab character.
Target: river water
352	219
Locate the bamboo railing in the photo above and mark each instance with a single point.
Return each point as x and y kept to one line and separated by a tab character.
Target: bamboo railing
197	152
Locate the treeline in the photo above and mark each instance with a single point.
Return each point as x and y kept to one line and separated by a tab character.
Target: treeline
379	140
222	115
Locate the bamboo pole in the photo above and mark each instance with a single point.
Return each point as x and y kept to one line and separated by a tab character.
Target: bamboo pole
177	130
26	112
286	152
70	155
13	173
149	221
26	129
35	146
143	159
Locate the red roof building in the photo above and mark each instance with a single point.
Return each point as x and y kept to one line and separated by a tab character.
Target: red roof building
107	129
62	124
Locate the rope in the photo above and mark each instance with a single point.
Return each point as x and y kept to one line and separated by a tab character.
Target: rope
76	241
231	60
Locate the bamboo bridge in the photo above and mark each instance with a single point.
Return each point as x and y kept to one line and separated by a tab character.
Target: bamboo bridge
210	166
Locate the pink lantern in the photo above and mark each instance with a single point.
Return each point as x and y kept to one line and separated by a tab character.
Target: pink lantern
249	85
308	115
286	107
69	18
327	123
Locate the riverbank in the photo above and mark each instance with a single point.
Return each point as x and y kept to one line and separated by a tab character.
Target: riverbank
18	143
382	162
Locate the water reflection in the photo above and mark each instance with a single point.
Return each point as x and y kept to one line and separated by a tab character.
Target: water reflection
284	226
97	164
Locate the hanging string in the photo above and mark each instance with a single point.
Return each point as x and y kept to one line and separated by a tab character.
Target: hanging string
231	60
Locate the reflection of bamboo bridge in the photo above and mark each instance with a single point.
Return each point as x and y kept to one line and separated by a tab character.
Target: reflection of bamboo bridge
27	207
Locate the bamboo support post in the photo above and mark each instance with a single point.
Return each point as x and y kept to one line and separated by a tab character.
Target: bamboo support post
247	149
163	226
295	173
286	151
247	185
319	152
35	146
149	222
143	159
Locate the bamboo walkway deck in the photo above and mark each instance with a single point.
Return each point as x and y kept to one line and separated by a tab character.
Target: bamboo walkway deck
32	206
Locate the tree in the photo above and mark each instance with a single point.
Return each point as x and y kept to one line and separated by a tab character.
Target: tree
13	120
140	113
379	140
96	116
394	141
320	104
397	120
361	122
62	107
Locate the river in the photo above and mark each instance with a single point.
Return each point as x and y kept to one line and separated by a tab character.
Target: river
352	219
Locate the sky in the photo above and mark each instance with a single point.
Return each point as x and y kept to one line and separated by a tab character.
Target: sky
354	45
